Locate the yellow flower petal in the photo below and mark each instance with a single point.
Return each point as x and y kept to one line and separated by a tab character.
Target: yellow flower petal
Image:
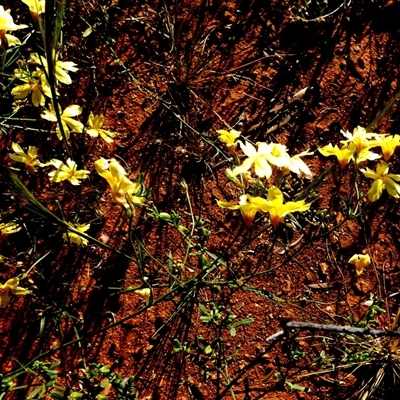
360	262
36	6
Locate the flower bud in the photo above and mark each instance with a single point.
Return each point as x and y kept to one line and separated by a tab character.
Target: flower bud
165	216
231	177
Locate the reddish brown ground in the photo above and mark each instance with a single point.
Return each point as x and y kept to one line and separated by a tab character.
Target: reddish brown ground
167	75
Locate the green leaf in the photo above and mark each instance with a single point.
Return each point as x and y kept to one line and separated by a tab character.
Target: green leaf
246	321
75	396
203	309
220	260
204	261
105	369
41	325
40	390
57	395
294	387
87	31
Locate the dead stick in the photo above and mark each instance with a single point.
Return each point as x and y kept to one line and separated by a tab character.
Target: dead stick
341	329
330	328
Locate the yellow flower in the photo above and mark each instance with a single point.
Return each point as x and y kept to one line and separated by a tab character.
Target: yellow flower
67	172
10	286
361	142
278	210
383	180
36	6
228	137
67	120
146	293
60	69
261	166
36	83
360	138
73	237
95	123
275	153
6	228
123	190
30	159
299	167
7	24
344	155
248	206
388	145
360	261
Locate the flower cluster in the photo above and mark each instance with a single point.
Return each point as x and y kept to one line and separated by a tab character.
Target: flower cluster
31	83
35	83
249	206
357	147
269	155
262	160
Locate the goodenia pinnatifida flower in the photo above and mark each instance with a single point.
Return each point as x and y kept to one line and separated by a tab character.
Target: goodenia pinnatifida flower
360	139
388	145
123	190
254	157
278	209
60	69
30	158
7	228
248	205
344	154
7	24
228	137
361	142
382	180
67	119
299	167
68	171
73	237
275	153
360	261
11	287
146	293
95	124
35	83
36	6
